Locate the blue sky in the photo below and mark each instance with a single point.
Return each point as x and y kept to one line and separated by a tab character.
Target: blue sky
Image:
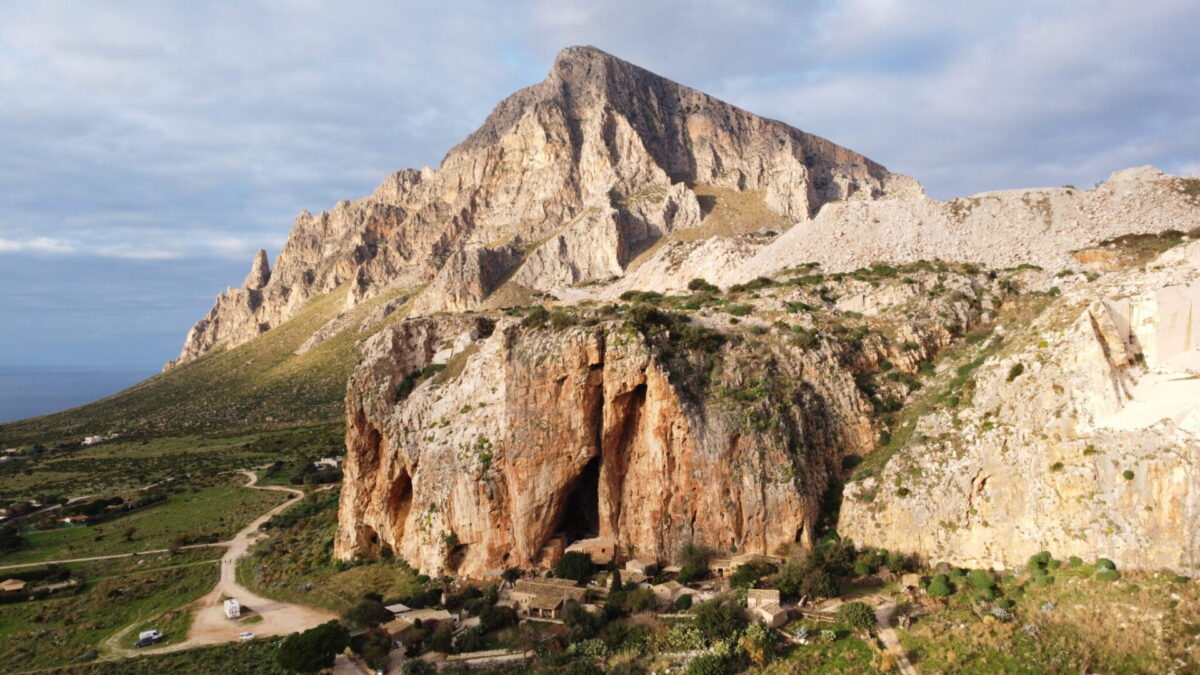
147	149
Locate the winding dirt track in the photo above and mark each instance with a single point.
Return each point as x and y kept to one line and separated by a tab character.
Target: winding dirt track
209	625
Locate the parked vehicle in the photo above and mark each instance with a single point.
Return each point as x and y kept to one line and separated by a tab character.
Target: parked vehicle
246	636
233	609
147	638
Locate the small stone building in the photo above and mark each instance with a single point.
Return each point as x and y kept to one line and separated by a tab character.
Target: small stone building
545	598
640	565
763	604
12	586
601	549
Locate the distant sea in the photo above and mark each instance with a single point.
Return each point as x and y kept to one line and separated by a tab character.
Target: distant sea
29	391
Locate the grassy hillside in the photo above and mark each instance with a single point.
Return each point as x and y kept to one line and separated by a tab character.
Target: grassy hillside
259	385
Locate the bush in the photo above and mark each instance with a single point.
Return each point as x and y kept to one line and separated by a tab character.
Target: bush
740	310
717	620
1128	474
708	664
981	579
1105	564
640	600
939	587
684	602
574	565
537	316
1015	371
746	576
368	613
702	285
856	615
313	649
1108	575
1074	561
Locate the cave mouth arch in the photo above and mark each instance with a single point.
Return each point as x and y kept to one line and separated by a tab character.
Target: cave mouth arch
581	511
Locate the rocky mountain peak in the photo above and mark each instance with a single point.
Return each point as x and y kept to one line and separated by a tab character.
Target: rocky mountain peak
260	272
568	181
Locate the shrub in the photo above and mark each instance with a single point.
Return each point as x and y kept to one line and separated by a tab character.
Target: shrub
1127	474
1045	580
981	579
1074	561
1015	371
708	664
856	615
985	594
740	310
702	285
684	602
1108	575
313	649
746	576
1057	466
560	319
689	573
536	316
574	565
1105	564
939	587
641	600
717	620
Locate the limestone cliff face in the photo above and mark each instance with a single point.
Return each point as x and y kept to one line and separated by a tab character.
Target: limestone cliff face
1083	438
565	182
641	432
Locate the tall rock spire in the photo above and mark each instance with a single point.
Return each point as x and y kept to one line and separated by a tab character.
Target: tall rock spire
260	272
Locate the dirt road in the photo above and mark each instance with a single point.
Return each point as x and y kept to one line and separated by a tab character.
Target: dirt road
209	625
890	638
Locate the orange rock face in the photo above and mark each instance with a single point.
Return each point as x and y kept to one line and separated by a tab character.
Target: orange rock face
531	432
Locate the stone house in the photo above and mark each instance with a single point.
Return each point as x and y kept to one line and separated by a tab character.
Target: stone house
763	604
640	565
601	549
545	598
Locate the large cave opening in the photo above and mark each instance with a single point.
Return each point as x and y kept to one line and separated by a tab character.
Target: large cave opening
399	502
581	515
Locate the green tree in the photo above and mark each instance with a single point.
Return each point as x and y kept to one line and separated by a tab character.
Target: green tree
717	620
313	649
857	615
375	648
368	613
615	583
746	576
574	565
511	575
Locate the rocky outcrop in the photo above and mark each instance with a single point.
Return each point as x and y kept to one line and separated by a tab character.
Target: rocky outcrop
1082	438
999	229
565	182
653	431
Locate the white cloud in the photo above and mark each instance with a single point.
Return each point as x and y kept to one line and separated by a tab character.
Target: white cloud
37	245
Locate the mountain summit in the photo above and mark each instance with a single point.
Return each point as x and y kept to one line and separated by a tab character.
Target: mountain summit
566	182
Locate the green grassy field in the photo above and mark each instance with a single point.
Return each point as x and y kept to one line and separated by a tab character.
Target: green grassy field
1143	623
217	511
848	653
295	564
117	593
255	657
129	465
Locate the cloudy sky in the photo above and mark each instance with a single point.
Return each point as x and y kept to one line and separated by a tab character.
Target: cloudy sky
147	149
